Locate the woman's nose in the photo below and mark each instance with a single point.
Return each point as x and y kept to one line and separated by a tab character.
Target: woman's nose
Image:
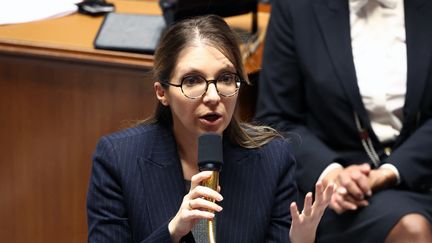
211	96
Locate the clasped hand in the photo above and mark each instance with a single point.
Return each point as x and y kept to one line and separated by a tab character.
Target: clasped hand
355	184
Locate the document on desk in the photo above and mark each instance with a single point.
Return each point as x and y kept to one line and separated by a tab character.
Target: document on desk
21	11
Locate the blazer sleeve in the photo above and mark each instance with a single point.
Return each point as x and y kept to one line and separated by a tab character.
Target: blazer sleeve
281	95
106	212
413	158
286	192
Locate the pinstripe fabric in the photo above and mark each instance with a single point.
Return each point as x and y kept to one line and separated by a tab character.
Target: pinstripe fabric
136	187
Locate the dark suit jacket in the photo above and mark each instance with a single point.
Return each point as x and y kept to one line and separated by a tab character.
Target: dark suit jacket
308	86
137	186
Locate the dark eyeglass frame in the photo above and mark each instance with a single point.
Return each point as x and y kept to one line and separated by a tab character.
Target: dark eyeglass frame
239	81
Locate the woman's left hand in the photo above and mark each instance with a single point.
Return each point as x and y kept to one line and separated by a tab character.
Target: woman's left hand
304	225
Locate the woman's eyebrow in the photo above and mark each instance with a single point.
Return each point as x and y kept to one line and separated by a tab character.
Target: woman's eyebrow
227	69
191	71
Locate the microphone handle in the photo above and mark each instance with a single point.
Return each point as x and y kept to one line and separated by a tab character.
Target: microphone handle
212	183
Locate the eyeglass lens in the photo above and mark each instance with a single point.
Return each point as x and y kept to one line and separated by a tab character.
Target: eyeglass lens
194	86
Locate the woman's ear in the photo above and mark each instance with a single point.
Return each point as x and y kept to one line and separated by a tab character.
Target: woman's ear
161	93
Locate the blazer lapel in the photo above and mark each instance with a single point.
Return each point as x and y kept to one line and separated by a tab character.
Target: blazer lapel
162	178
418	17
333	19
238	179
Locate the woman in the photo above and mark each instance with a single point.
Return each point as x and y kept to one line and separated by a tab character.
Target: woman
139	189
353	79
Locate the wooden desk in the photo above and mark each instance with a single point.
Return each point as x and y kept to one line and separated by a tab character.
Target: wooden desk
58	95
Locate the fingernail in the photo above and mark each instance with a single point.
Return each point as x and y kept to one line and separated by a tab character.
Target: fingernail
369	193
342	190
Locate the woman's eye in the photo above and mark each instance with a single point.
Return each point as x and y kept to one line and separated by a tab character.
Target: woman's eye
227	78
192	80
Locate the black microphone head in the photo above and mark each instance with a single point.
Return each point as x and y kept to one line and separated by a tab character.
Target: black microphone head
210	156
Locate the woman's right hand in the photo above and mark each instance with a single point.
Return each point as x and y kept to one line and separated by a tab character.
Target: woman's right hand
194	207
304	225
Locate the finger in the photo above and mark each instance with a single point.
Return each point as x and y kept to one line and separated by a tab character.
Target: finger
208	193
353	200
319	189
345	204
294	213
307	207
335	206
328	193
359	203
197	214
205	205
341	190
362	203
339	210
322	199
365	187
350	185
362	182
198	178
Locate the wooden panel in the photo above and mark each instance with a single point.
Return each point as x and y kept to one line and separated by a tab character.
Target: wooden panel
51	115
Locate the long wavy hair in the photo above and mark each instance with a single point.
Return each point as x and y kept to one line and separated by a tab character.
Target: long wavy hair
215	32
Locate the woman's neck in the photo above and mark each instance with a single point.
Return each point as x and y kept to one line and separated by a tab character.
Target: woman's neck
187	147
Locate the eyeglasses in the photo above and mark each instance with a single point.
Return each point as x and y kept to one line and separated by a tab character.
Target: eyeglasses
195	86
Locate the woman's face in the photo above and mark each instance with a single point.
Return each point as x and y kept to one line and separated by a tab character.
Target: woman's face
209	113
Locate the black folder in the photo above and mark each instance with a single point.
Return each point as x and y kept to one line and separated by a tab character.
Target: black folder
130	32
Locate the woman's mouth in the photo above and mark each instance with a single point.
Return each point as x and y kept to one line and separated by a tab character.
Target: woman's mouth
211	119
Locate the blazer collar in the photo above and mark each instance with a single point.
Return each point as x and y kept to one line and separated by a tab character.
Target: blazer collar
161	176
162	148
239	169
333	19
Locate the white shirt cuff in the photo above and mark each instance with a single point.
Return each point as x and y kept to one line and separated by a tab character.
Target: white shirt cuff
329	168
394	169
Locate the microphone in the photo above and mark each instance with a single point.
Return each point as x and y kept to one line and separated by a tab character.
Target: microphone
210	158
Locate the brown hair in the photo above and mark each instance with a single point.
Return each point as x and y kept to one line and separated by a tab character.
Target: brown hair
213	31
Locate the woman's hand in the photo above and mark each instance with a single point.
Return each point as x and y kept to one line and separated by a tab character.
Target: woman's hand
382	178
304	225
194	207
374	180
351	187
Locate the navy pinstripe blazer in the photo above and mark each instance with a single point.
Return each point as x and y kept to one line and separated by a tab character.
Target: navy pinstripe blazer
137	186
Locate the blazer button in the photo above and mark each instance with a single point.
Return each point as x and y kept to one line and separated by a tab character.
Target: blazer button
388	151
